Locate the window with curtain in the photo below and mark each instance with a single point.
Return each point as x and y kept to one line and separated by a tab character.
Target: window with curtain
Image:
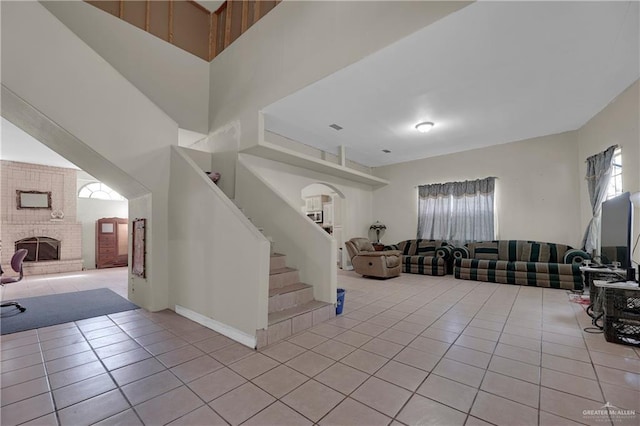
457	212
598	177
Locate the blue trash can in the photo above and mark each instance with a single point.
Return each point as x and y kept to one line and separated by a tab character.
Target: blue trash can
340	301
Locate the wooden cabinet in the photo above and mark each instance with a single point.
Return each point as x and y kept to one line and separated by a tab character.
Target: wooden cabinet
337	211
327	214
314	204
112	240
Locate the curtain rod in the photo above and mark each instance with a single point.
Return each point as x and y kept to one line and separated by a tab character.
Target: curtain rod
417	186
616	146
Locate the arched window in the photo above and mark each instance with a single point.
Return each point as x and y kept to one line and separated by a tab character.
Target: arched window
100	191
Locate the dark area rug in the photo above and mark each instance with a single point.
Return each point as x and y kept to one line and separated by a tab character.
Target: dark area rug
43	311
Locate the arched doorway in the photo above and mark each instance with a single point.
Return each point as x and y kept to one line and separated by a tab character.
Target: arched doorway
326	205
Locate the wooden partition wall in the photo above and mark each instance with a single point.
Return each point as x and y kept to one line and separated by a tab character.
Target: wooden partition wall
188	25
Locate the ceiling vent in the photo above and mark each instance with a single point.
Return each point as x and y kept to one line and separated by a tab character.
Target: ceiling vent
335	126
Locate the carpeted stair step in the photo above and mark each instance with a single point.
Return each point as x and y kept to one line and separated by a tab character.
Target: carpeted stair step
289	296
283	277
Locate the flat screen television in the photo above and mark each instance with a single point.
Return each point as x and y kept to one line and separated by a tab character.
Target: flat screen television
616	231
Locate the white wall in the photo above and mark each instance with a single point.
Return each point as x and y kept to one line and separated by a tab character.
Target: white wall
536	191
188	138
177	81
311	151
313	190
307	246
618	123
290	180
89	210
201	158
219	260
47	66
224	143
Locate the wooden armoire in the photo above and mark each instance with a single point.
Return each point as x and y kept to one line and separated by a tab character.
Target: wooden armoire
112	240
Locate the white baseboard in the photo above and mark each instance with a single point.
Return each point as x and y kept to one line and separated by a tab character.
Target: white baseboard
230	332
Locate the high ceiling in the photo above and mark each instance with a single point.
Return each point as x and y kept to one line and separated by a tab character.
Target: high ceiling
491	73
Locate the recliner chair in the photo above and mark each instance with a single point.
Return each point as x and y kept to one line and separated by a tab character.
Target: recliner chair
370	263
16	265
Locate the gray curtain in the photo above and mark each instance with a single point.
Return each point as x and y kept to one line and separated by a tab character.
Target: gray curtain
457	212
598	175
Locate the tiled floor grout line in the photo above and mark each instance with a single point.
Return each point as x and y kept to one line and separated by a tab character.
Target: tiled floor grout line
358	387
319	373
429	373
167	369
591	362
460	307
46	375
460	334
109	373
593	365
246	382
490	358
383	338
413	393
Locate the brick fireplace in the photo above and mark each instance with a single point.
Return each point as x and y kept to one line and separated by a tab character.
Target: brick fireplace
39	249
23	225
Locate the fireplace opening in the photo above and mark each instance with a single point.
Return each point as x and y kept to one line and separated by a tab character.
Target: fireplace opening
40	248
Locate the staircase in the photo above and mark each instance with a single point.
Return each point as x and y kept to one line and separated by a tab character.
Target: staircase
292	307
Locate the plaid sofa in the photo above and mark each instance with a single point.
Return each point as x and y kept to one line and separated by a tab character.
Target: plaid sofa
426	257
520	262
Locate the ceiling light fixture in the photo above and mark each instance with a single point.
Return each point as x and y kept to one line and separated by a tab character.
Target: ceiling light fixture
424	127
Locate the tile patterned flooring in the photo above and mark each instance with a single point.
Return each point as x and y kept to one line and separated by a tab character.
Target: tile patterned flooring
414	350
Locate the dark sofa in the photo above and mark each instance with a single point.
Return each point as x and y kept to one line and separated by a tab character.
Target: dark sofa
426	257
520	262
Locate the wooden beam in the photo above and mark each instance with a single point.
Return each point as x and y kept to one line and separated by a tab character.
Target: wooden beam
121	10
256	11
171	21
147	16
227	24
213	35
245	16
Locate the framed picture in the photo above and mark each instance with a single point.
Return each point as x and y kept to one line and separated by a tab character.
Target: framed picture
33	199
139	250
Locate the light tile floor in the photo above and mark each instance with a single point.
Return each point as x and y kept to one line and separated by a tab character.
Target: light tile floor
414	350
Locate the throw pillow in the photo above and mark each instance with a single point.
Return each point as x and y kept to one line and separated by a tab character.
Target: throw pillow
486	251
426	248
365	245
535	252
